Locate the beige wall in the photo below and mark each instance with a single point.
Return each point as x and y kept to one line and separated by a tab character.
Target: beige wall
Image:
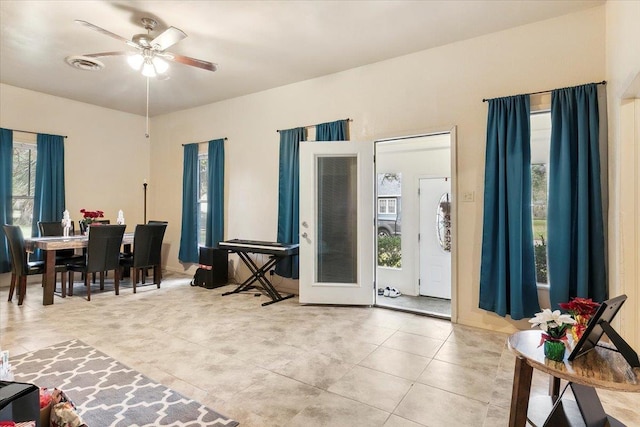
106	153
623	90
429	90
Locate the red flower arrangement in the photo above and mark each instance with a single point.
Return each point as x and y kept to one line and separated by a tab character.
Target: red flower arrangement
91	215
581	309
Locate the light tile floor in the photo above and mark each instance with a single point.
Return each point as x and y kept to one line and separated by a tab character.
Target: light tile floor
435	307
287	364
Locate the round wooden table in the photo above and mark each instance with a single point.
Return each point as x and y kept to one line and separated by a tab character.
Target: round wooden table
601	367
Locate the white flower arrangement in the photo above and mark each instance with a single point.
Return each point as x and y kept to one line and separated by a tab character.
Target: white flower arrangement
554	323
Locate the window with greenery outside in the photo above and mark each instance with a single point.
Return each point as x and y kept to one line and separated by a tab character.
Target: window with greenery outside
203	169
539	214
24	183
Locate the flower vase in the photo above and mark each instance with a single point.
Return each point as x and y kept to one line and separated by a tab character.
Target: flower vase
554	350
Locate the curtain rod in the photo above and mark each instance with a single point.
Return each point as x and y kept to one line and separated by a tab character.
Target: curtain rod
34	133
310	126
205	142
604	82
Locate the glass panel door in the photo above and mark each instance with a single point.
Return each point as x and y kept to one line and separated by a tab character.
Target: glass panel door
336	223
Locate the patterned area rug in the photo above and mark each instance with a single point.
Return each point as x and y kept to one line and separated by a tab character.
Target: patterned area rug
108	393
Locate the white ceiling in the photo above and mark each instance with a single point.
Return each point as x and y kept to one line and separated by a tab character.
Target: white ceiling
257	45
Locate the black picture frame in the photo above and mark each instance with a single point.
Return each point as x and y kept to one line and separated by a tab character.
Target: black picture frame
600	324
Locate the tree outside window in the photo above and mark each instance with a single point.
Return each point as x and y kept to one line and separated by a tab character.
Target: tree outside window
540	145
203	170
539	211
24	182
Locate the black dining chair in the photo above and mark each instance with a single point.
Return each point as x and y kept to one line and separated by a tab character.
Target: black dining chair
145	272
103	254
83	225
63	256
21	267
147	253
83	230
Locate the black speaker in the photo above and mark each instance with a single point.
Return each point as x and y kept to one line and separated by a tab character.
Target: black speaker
214	263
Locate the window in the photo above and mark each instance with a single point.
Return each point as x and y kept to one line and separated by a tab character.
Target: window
387	206
203	170
24	183
382	206
540	145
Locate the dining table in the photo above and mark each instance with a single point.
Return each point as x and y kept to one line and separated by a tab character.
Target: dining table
49	245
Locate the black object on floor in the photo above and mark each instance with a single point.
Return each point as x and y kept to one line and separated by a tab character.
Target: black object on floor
213	270
19	402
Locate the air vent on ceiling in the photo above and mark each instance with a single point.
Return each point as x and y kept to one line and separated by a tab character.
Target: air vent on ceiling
84	63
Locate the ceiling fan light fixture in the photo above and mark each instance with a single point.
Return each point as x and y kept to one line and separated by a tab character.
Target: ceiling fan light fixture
160	65
148	69
135	61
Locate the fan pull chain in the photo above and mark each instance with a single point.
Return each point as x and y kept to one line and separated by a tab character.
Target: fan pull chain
147	132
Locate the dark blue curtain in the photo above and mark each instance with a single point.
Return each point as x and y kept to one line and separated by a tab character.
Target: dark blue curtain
333	131
507	269
288	197
189	234
576	242
48	201
6	188
215	193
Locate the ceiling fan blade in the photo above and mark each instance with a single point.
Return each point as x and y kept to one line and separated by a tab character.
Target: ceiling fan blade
205	65
102	54
106	32
168	38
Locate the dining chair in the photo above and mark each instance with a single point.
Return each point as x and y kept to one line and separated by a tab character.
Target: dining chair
63	256
103	254
83	226
147	253
145	272
21	267
83	230
55	228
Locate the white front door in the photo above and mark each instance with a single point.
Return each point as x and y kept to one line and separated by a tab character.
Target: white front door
435	237
336	223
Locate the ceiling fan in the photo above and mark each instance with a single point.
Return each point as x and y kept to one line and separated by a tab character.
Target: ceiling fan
150	57
151	54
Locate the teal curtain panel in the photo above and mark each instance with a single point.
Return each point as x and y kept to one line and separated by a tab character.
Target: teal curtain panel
507	269
288	197
6	189
332	131
188	252
576	239
215	193
48	202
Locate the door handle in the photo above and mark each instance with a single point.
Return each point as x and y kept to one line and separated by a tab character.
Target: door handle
304	224
304	235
